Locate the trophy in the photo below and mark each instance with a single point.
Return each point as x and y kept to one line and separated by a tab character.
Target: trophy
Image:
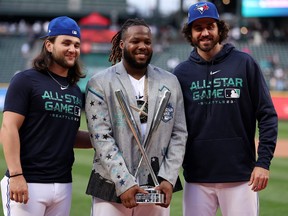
153	196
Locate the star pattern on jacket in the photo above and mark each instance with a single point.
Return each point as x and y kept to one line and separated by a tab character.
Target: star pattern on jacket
101	138
109	156
92	103
122	182
105	136
94	117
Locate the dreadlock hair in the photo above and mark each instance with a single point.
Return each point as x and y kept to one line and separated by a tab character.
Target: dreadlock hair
116	52
44	60
222	26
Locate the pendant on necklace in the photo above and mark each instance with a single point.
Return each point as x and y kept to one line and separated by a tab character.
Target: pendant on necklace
62	87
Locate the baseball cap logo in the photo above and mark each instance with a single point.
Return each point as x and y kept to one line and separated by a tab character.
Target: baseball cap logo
202	8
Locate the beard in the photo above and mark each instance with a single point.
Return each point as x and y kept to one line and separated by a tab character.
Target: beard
133	62
206	48
60	60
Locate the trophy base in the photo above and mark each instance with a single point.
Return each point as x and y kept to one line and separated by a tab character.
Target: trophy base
153	196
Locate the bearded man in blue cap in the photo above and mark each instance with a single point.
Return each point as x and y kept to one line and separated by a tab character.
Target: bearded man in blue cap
40	125
225	94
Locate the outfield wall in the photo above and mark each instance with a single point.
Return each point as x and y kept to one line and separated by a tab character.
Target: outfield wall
280	100
2	97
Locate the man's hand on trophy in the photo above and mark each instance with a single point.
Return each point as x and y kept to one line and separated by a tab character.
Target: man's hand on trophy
128	197
166	188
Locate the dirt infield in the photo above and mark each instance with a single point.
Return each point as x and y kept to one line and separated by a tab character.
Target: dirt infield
281	148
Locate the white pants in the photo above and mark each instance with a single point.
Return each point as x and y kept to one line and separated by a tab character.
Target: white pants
103	208
236	199
44	200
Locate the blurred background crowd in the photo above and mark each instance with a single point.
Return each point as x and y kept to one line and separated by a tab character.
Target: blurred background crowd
258	27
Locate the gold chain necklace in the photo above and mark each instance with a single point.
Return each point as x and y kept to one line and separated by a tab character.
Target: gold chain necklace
62	87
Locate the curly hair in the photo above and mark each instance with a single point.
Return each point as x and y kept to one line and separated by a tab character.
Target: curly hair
42	62
116	52
222	27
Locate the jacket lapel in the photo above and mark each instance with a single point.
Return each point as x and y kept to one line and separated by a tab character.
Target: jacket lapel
127	89
153	96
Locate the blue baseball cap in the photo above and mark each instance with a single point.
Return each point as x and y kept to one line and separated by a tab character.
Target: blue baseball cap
202	10
63	25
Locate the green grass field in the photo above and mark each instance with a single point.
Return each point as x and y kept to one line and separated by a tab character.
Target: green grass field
273	200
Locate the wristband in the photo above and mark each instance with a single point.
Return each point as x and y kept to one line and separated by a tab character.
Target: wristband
19	174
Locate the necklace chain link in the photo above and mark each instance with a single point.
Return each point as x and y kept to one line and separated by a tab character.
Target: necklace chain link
62	87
